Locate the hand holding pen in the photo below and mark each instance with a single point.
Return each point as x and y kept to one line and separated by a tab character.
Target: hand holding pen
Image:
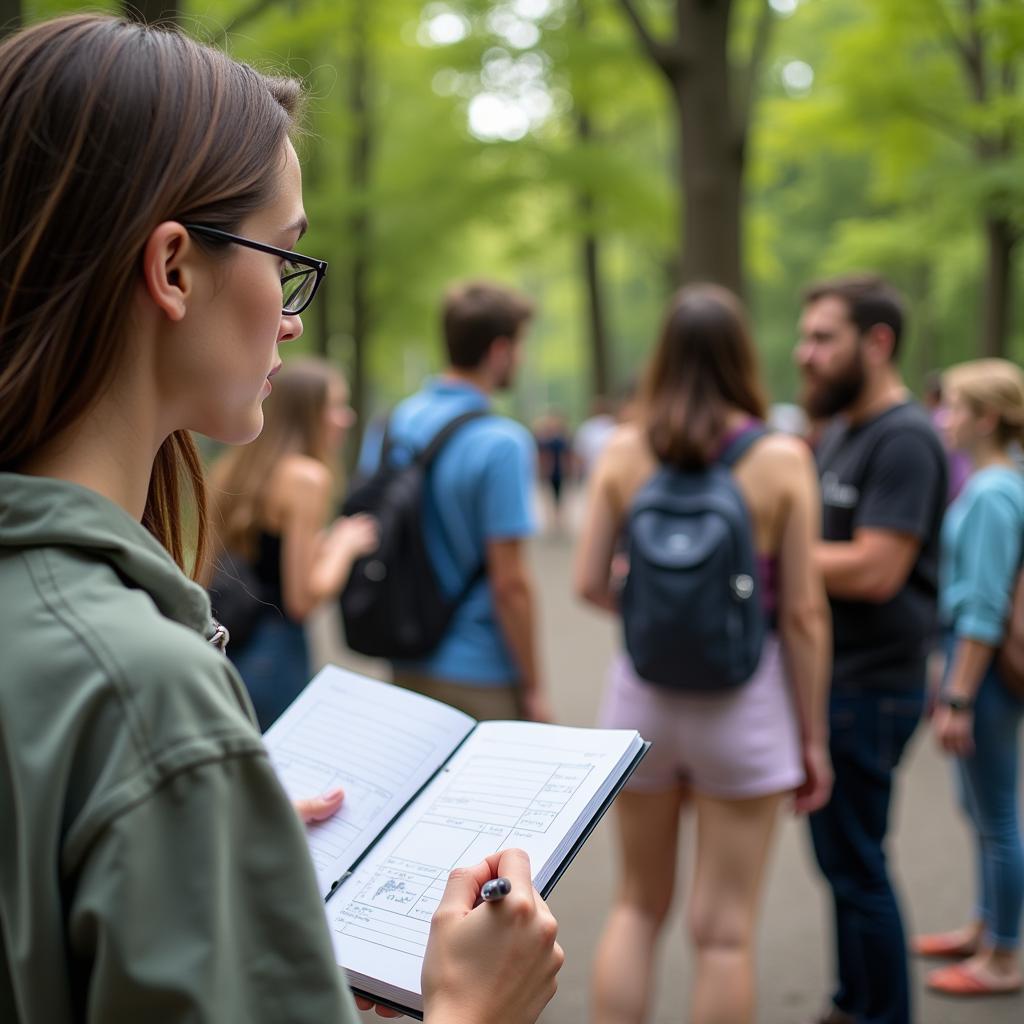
495	964
495	889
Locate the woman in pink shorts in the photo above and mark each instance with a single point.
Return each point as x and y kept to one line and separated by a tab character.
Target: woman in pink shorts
733	756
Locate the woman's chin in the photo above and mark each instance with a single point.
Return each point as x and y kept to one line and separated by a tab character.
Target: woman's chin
237	433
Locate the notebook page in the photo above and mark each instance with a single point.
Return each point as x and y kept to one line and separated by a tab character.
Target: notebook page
511	784
378	741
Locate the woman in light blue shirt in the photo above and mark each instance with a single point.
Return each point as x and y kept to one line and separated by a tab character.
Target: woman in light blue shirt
978	719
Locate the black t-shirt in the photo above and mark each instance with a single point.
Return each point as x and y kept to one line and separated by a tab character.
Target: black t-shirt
890	474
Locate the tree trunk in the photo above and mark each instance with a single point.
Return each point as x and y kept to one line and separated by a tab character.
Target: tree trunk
711	149
10	17
360	226
152	11
590	252
1000	239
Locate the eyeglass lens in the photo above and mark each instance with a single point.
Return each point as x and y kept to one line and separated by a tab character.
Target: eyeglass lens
297	284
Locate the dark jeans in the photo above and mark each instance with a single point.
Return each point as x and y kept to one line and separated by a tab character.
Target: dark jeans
870	730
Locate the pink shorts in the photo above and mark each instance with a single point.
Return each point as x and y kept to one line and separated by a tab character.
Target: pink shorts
737	745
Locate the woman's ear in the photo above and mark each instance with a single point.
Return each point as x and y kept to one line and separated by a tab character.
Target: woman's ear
167	276
987	423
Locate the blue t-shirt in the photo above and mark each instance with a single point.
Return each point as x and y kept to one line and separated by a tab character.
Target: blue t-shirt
982	538
479	490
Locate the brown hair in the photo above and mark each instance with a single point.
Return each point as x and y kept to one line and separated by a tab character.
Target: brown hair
475	314
703	367
991	386
870	300
293	422
107	129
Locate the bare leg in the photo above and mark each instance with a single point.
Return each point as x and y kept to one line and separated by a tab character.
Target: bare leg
623	968
734	838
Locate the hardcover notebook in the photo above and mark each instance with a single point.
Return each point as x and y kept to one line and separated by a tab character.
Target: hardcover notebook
427	789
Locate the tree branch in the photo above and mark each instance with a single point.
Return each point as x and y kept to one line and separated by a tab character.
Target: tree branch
937	121
665	55
948	29
976	54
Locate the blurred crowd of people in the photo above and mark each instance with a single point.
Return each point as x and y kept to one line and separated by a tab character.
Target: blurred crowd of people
152	866
885	529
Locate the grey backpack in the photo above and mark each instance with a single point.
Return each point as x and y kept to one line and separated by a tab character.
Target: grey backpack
691	605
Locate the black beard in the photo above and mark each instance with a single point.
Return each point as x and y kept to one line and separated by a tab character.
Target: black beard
832	397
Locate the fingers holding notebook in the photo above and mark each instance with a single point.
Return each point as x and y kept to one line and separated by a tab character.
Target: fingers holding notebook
495	962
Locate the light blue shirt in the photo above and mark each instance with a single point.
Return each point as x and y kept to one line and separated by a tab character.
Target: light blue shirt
982	539
480	489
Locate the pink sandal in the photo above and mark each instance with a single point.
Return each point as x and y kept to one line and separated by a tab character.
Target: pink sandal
961	980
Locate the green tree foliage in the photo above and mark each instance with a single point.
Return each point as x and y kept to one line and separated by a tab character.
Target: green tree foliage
502	138
919	108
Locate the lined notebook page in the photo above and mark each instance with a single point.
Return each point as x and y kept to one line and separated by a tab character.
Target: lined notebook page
378	741
512	784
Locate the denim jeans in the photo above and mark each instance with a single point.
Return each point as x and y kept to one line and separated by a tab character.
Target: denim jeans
987	784
870	729
274	665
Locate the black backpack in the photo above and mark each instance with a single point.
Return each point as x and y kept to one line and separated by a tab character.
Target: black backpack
393	605
691	604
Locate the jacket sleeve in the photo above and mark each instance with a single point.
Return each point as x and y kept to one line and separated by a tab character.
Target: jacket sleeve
199	904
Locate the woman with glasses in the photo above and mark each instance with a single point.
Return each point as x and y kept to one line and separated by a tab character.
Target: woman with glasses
151	867
271	505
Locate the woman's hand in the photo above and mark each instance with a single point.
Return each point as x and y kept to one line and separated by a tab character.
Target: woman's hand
355	535
954	730
816	789
317	808
381	1011
494	963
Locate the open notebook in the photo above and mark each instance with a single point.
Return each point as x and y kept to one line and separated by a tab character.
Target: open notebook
428	789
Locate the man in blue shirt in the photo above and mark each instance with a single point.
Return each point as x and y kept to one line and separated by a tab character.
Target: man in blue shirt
478	512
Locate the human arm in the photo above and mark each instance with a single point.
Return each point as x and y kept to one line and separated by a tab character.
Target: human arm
495	963
506	508
198	904
954	729
316	558
513	593
872	567
987	546
319	808
896	509
592	572
804	624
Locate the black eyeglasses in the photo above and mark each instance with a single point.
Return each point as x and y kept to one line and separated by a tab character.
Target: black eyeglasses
300	275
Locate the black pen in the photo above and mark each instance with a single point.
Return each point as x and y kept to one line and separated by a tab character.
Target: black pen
495	889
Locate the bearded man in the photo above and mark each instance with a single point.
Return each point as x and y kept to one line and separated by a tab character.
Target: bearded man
883	481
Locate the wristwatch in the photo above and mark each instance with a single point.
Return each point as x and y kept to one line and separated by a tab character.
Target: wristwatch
956	703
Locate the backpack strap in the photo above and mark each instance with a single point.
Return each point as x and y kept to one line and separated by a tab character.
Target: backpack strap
741	443
427	455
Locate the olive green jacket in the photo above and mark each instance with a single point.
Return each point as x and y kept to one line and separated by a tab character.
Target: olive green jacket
151	867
